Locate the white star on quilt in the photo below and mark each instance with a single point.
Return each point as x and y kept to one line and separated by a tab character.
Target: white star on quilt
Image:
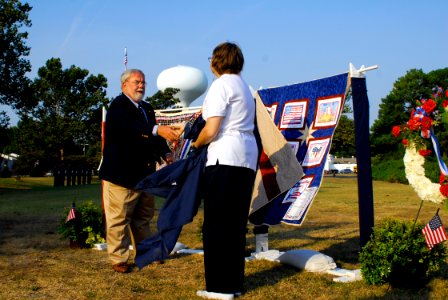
307	133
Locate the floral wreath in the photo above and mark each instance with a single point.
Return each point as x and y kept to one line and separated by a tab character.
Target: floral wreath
416	133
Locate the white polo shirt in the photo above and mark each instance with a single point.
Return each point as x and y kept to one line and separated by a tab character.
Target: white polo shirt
235	145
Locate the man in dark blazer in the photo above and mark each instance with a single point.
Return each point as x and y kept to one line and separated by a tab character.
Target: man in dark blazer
133	144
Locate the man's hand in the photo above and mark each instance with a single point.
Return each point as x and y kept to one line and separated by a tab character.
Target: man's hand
169	133
179	127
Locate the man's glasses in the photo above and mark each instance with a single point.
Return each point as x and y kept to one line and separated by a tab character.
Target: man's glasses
209	59
136	82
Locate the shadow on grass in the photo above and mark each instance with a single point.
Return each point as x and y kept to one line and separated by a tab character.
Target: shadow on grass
346	248
346	251
18	234
269	277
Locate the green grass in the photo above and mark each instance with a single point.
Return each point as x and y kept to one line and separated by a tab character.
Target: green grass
36	197
36	263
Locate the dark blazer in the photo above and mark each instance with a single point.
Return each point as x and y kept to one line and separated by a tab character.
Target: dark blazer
130	150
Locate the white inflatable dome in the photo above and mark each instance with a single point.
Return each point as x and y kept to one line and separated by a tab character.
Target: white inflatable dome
190	81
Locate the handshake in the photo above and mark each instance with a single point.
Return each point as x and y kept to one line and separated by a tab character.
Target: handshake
171	133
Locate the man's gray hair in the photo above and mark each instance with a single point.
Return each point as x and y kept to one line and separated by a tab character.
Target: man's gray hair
126	74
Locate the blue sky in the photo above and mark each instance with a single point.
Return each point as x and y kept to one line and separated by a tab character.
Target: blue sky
284	42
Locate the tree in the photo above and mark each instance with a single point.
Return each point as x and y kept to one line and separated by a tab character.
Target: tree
63	114
164	99
343	143
13	66
4	121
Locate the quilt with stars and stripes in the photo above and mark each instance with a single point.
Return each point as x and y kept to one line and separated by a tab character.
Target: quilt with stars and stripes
307	115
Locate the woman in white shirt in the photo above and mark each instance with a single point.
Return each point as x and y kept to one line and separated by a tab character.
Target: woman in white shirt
229	111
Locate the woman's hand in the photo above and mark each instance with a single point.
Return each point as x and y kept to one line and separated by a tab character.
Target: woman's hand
169	158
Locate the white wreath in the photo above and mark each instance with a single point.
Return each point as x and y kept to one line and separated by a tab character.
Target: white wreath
415	173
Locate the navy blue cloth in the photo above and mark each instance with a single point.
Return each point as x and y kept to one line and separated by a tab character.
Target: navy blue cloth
180	184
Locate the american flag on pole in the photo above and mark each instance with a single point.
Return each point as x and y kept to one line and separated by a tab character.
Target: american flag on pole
125	59
434	232
71	213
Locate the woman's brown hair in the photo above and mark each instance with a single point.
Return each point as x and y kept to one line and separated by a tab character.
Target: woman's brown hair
227	59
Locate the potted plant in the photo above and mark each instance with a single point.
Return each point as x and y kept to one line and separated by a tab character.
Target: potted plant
397	254
86	228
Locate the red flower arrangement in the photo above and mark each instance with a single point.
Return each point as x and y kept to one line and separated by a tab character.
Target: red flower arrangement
444	185
417	131
427	113
424	152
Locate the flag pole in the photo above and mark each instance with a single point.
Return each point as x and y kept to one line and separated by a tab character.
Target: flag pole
418	213
125	59
103	130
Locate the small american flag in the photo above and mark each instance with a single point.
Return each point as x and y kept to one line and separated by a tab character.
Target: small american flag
71	213
125	59
434	232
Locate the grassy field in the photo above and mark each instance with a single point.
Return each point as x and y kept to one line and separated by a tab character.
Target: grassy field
35	263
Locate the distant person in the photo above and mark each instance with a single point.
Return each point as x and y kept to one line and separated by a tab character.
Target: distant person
134	143
229	111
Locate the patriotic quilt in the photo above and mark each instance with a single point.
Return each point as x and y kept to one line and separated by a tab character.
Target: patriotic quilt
185	118
307	115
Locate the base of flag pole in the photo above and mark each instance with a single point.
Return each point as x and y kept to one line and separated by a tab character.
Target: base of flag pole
261	242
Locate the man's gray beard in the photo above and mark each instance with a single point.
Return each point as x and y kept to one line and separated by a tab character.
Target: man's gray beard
140	98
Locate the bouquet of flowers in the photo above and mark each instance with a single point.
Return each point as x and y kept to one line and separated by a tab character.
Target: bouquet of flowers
417	136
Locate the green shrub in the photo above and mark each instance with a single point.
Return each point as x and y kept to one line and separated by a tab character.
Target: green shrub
86	228
432	170
391	168
397	254
388	169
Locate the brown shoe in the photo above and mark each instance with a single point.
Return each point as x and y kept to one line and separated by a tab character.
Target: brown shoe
122	267
158	262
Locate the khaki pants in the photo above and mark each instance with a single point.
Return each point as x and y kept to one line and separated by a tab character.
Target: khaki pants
128	216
